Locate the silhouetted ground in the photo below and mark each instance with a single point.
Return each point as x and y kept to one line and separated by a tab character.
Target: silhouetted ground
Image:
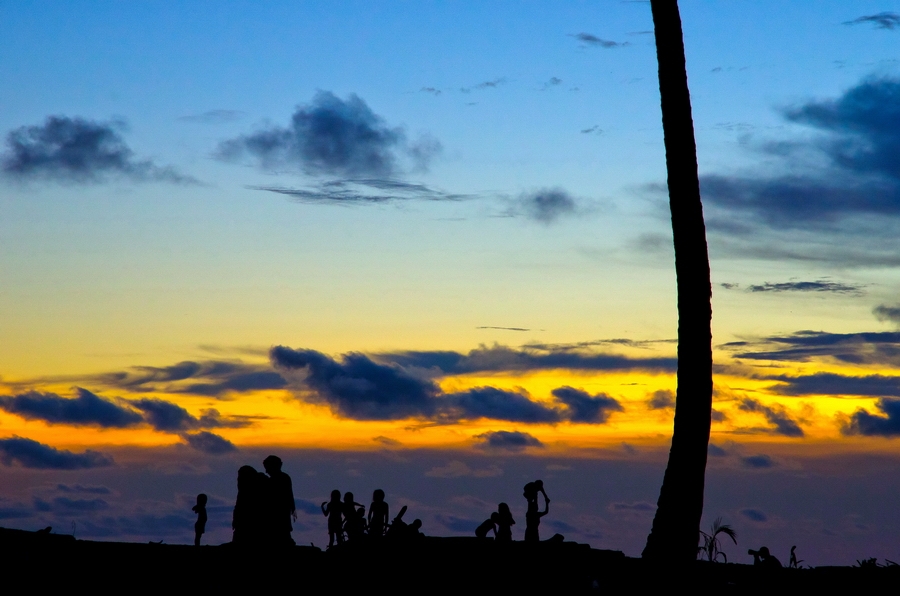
426	566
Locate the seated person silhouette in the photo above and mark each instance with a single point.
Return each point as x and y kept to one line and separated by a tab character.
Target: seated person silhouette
332	510
378	515
505	522
413	531
764	558
487	526
200	525
533	515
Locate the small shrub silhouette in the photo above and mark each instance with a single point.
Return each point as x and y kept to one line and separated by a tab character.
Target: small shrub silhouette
711	549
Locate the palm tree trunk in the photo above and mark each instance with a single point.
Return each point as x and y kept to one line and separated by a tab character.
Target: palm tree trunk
677	523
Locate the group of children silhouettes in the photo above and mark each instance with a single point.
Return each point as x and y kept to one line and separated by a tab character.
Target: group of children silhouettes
501	521
348	522
265	506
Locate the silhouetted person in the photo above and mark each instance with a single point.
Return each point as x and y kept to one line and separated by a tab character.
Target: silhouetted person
794	563
398	527
200	524
351	516
378	514
412	531
332	510
248	520
282	507
533	515
487	525
505	522
764	558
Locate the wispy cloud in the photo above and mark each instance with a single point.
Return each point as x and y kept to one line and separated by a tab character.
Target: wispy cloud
821	285
776	416
882	20
80	151
364	190
546	205
590	39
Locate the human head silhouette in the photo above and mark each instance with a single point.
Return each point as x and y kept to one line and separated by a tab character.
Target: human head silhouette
503	510
495	517
272	464
201	500
378	495
246	476
336	495
348	498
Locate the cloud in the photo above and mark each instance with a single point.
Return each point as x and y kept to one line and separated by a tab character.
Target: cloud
835	384
779	418
430	90
214	117
64	506
885	424
167	417
850	169
545	205
757	462
500	358
586	408
214	378
876	348
592	129
639	506
593	40
883	312
328	136
882	20
77	488
209	443
503	328
661	400
77	150
359	388
87	409
492	84
821	285
716	451
364	190
496	404
503	440
754	515
31	454
307	507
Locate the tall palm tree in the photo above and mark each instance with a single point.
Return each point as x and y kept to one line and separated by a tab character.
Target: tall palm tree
676	525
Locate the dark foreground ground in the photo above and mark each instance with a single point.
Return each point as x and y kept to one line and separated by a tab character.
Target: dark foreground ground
426	566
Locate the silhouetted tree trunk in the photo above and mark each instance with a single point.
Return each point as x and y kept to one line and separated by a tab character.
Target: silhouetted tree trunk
677	523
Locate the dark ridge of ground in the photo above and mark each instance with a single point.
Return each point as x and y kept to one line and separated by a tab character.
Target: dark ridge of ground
428	565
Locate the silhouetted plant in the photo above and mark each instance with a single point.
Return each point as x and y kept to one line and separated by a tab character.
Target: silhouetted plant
867	563
794	563
711	545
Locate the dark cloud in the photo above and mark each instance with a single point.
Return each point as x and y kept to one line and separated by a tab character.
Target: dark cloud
503	328
167	417
593	40
860	141
586	408
504	440
214	117
592	129
835	384
359	388
495	404
499	358
882	20
209	443
661	400
778	417
328	136
885	424
431	90
874	348
758	462
214	378
363	191
87	409
716	451
492	84
754	515
31	454
77	150
546	205
821	285
883	312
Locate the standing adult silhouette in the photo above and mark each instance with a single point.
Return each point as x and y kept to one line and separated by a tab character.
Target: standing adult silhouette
281	502
248	520
533	515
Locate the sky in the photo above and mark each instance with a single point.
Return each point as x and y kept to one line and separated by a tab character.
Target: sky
426	247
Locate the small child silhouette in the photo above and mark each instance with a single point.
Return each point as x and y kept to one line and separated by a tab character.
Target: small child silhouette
332	510
378	514
504	522
200	510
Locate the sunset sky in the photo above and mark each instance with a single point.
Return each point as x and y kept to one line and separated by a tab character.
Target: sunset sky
425	247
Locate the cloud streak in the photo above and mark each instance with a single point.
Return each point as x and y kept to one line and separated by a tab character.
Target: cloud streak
31	454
